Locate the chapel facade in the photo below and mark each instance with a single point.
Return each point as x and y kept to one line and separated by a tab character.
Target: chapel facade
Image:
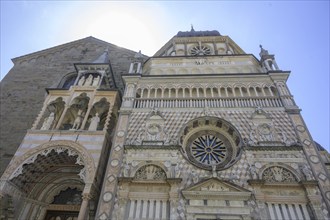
200	130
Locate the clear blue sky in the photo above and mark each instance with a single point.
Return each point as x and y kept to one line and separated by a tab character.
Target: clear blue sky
297	32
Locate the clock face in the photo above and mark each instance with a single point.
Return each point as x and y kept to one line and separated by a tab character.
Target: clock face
200	50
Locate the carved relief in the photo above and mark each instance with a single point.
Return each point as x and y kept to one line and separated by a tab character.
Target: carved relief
306	171
264	132
278	174
150	172
153	130
214	187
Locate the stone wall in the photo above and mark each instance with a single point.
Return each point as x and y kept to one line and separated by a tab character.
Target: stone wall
23	88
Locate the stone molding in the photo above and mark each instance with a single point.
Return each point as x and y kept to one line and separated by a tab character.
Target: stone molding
72	149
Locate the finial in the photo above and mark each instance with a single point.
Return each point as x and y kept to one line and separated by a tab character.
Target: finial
192	28
260	46
138	54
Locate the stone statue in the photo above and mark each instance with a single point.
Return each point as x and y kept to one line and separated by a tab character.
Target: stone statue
77	122
89	80
96	81
263	51
81	81
94	122
48	122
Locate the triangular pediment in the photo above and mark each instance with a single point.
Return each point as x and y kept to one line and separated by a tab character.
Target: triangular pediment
215	188
215	184
84	42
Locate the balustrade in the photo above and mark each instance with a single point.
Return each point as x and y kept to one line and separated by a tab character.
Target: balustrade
207	102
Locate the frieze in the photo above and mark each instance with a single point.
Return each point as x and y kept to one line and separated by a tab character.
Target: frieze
64	207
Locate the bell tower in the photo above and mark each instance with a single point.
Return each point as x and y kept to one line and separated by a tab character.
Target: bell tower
57	171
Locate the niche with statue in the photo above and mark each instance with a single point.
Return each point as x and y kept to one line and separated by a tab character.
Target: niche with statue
52	114
74	117
98	115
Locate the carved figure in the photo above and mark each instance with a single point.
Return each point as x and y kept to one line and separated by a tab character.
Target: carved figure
89	80
253	172
177	171
126	170
77	122
96	81
214	169
215	187
94	122
48	122
194	176
81	81
258	110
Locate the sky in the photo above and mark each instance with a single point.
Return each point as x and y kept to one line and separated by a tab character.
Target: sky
297	32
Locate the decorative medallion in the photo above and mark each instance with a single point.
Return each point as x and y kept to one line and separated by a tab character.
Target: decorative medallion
103	216
154	129
314	158
300	128
120	133
307	142
111	178
322	176
118	148
107	197
264	129
114	163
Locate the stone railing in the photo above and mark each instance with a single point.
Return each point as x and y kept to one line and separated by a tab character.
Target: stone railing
207	102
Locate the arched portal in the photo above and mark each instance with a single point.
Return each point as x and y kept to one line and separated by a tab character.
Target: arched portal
42	173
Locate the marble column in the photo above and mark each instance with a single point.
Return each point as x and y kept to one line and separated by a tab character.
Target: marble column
84	206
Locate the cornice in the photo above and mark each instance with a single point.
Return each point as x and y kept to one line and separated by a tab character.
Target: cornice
152	146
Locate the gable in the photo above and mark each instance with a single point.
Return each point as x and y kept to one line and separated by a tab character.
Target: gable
215	188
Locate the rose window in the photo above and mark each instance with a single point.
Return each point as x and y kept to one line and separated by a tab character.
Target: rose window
208	150
200	50
210	143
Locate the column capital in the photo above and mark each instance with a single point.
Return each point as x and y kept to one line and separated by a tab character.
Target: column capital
87	196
